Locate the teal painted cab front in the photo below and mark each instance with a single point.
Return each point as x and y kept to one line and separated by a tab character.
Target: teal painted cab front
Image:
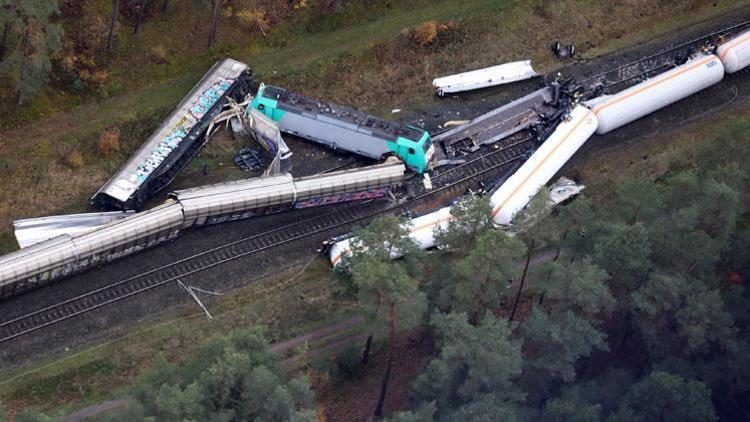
416	154
266	101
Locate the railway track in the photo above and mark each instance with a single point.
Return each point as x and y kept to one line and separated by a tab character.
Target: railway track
506	149
327	225
512	150
618	78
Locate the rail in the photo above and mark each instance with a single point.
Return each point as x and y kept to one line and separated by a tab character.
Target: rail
325	224
601	77
336	222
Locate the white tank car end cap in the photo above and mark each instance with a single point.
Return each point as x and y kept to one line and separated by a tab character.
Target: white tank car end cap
735	53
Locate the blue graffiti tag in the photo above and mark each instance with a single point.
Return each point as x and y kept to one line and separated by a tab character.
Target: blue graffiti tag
197	110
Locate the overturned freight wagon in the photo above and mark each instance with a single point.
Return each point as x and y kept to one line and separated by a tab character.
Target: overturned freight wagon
176	141
71	253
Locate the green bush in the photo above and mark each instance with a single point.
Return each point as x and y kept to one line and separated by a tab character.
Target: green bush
345	364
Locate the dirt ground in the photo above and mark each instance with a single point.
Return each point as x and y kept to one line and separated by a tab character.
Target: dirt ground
356	400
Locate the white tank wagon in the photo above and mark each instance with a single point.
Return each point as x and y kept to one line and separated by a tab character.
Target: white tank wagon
64	255
243	199
513	195
735	53
421	230
614	111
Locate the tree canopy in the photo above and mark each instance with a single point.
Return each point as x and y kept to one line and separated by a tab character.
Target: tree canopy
666	397
473	360
30	38
658	267
234	378
386	291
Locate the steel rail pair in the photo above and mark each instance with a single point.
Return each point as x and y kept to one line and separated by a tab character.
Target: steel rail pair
336	222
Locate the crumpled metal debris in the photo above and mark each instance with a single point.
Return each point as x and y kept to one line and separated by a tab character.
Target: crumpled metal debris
34	230
563	51
248	159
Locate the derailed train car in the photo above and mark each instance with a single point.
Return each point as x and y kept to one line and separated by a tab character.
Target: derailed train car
700	72
231	201
600	115
176	141
340	127
67	254
513	195
421	231
64	255
735	52
615	111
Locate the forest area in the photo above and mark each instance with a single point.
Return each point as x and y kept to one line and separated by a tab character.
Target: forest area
73	44
628	305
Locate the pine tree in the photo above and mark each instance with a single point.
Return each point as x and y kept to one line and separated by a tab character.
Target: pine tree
424	413
32	39
141	6
491	408
385	289
33	416
476	264
474	360
214	22
470	218
232	378
198	6
624	251
581	286
571	411
482	278
113	26
556	342
667	397
679	315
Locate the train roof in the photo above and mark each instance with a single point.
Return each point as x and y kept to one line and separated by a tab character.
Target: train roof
125	182
379	127
30	231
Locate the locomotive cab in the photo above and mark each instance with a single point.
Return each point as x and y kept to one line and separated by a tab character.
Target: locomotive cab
267	101
416	154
